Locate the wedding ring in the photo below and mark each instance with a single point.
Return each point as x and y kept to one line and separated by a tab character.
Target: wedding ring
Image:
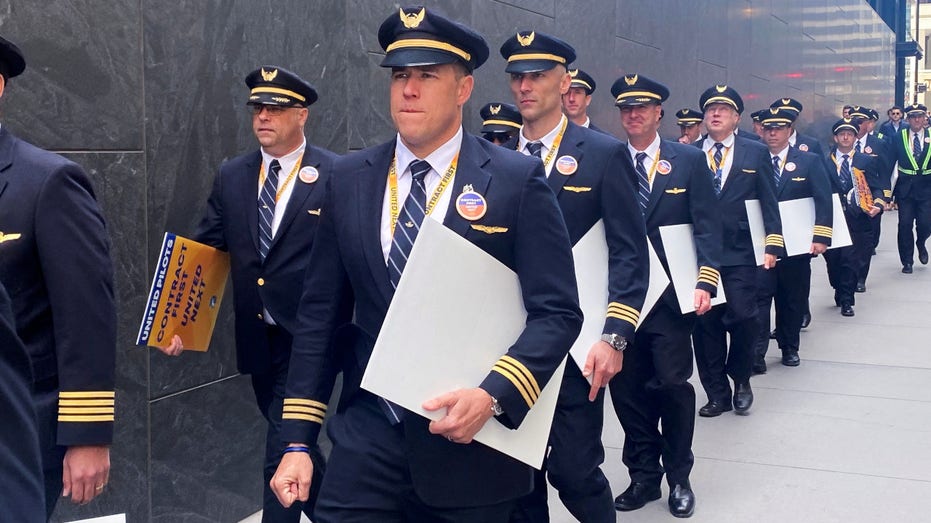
99	487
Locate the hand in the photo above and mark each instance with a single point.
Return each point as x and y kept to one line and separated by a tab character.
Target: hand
291	481
702	301
874	210
467	411
817	248
602	363
174	348
86	472
684	139
769	261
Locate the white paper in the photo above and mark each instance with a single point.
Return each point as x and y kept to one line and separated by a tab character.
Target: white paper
757	229
116	518
455	312
682	257
798	222
840	236
591	272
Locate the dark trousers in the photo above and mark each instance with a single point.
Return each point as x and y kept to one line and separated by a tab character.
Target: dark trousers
913	214
45	398
876	229
737	317
269	395
846	263
652	392
573	465
368	477
788	285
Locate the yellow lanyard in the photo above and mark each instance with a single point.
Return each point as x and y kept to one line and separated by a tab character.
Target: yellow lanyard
555	147
393	189
714	166
782	164
849	161
287	181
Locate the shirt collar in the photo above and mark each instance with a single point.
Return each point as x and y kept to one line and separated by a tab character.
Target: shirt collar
651	149
793	138
781	154
547	140
588	122
439	159
288	158
709	142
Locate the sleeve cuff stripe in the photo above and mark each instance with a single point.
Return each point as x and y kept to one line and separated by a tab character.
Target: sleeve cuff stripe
625	317
303	417
85	403
516	382
101	410
621	307
713	283
87	394
534	387
520	381
85	419
305	402
305	410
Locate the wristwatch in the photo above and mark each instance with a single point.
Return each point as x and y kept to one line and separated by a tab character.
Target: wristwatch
616	341
496	407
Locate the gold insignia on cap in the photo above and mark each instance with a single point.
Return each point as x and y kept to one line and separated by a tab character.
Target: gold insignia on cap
683	112
630	79
494	109
412	20
280	99
573	73
526	40
720	88
268	76
786	101
773	110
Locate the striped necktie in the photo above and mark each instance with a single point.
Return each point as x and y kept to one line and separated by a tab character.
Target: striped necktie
777	174
857	145
536	149
846	178
719	169
644	182
405	233
267	208
916	146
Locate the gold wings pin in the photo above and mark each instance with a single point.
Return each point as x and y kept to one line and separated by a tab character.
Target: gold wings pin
489	229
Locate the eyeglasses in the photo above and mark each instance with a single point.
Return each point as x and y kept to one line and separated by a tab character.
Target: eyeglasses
273	110
896	113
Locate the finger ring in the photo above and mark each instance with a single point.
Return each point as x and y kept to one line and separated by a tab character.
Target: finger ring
450	438
99	487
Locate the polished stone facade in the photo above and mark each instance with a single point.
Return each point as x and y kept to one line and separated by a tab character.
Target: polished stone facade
149	97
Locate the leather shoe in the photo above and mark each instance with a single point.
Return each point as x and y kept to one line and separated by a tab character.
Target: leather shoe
790	358
861	286
846	310
714	408
743	398
759	366
923	254
682	501
806	319
636	496
907	268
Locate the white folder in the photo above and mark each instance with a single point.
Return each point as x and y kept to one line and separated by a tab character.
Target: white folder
682	257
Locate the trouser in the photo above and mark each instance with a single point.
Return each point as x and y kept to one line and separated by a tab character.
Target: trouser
369	480
654	400
875	230
738	317
845	263
45	398
913	214
573	465
788	284
269	395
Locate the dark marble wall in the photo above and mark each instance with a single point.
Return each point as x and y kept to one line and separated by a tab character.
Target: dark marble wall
148	96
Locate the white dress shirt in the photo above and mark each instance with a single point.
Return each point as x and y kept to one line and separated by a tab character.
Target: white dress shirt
547	142
652	151
727	152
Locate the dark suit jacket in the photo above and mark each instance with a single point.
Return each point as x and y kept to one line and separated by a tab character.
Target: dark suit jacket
604	186
529	237
864	162
231	224
55	263
808	179
593	127
750	178
810	143
686	196
20	467
916	183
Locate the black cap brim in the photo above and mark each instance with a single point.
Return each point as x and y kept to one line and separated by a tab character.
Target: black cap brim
499	128
530	66
411	57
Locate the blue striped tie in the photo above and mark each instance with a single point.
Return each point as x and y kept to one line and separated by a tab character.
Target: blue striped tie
846	178
916	146
644	182
536	149
776	170
405	233
267	208
857	145
719	169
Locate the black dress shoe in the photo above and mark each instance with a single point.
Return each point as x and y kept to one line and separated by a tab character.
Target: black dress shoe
806	319
714	408
636	496
743	397
790	358
682	501
907	268
846	310
861	286
923	254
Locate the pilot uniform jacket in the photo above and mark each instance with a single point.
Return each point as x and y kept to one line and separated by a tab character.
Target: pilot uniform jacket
809	180
810	143
231	224
522	228
880	148
865	162
914	179
750	178
20	468
55	264
604	187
